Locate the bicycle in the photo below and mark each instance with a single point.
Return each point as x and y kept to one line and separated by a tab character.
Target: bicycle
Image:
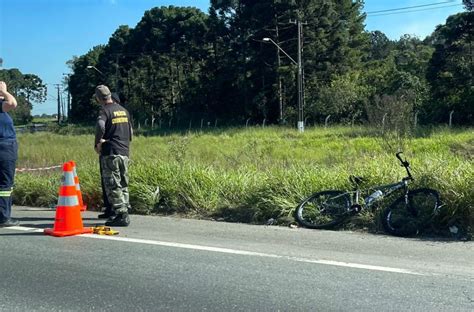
406	216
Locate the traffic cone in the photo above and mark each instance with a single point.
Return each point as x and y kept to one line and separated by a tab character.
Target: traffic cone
68	219
78	188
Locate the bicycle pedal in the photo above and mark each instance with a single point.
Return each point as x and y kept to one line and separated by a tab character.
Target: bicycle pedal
355	208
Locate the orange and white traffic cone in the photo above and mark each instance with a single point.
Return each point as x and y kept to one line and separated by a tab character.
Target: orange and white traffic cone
68	219
78	187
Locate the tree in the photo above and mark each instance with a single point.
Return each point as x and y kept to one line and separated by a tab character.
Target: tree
81	85
334	42
167	51
450	71
380	46
468	4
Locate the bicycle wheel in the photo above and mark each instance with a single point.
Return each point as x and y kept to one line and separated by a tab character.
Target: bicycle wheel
323	210
406	218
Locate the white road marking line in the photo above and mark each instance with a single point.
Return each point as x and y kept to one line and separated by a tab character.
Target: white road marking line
234	251
24	229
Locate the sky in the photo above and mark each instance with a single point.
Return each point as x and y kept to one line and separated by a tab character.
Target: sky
40	36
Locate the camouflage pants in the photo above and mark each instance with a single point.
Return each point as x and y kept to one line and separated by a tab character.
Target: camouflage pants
115	178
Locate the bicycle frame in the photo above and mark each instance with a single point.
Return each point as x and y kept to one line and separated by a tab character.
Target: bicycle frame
386	189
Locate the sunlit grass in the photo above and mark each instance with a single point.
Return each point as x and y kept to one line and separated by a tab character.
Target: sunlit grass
254	174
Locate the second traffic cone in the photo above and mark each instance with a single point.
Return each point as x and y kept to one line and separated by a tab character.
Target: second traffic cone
68	220
78	187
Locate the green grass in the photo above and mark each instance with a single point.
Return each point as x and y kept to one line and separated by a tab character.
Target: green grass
251	175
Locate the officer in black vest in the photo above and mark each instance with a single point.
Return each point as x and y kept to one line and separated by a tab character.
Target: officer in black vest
8	156
112	142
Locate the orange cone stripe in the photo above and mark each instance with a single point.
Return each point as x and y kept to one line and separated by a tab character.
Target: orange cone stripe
67	191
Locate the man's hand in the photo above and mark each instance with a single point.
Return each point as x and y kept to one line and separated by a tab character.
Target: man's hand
3	88
8	101
98	147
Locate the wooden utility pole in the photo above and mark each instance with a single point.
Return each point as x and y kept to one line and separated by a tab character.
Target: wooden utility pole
300	76
59	102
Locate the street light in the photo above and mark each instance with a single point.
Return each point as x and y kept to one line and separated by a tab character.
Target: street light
300	78
95	68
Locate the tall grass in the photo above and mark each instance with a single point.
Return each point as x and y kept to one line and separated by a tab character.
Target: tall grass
251	175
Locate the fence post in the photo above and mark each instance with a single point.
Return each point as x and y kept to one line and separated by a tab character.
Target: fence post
215	123
263	123
247	123
306	121
383	121
202	120
451	118
416	119
353	119
153	122
169	123
326	121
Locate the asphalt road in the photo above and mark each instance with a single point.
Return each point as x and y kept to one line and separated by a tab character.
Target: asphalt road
172	264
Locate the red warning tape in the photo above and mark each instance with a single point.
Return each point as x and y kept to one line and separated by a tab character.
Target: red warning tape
37	169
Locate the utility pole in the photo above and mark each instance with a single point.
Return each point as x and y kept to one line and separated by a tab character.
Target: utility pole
59	102
300	81
67	111
299	24
280	92
68	102
299	64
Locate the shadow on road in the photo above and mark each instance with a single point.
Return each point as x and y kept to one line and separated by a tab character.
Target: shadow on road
46	219
23	234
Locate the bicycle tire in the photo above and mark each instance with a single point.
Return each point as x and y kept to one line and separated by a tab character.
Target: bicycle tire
323	210
403	218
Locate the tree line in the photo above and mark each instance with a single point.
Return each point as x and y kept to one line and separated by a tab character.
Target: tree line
179	64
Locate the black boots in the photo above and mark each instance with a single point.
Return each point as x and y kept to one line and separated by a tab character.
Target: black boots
9	222
121	219
107	214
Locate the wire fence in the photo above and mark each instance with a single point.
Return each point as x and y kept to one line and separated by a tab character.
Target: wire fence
384	122
31	128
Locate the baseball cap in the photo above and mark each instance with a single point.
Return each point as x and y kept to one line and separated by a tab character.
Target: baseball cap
102	92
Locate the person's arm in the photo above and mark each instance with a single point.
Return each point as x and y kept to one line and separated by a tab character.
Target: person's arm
9	101
100	131
130	126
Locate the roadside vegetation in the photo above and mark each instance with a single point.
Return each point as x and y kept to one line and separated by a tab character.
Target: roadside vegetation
257	174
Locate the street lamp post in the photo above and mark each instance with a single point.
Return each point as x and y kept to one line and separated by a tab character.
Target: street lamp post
300	77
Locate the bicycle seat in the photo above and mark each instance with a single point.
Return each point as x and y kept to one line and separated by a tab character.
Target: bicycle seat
357	180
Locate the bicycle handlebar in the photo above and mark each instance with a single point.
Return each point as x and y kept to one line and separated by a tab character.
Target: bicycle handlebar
405	164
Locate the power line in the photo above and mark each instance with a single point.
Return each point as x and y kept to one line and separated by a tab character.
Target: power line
411	11
410	7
